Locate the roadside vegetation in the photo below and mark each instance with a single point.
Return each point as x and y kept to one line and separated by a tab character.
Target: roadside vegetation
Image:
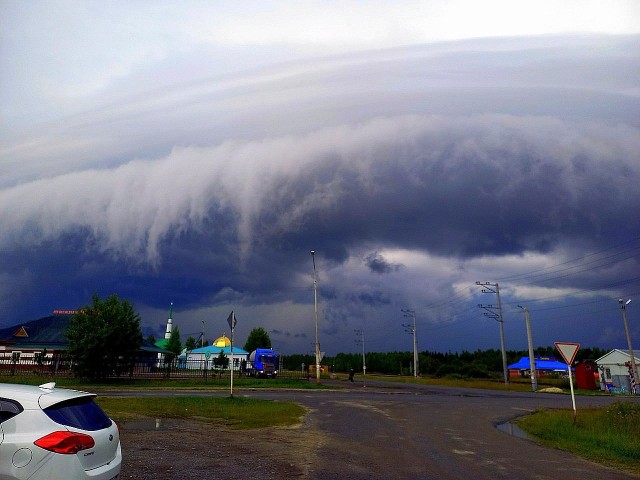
514	385
476	364
234	413
608	435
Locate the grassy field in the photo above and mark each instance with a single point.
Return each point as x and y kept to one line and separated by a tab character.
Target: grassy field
515	385
609	436
235	413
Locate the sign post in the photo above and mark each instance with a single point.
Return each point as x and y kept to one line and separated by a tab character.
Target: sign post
231	320
568	352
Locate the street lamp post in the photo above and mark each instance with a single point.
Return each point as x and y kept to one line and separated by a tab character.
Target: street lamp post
412	329
532	362
634	370
315	313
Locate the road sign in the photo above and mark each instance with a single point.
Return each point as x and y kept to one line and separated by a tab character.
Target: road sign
567	350
232	320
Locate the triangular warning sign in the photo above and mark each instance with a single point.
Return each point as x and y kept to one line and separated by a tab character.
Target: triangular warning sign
567	350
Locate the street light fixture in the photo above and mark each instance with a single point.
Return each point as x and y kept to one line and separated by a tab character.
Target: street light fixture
532	362
634	370
412	329
315	312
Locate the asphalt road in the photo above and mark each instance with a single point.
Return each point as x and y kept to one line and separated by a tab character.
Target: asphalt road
394	431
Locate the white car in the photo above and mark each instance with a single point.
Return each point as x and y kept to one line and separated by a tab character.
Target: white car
55	434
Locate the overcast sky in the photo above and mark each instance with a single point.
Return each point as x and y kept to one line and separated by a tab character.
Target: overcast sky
195	152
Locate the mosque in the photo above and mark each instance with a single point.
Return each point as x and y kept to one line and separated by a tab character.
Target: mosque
203	358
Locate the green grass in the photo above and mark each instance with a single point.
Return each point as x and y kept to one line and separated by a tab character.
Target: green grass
453	382
609	435
514	385
235	413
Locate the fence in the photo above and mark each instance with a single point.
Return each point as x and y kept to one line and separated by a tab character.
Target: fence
60	366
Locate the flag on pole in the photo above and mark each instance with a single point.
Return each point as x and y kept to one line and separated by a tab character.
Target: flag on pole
232	320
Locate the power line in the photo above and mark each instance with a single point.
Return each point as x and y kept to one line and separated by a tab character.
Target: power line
577	292
526	274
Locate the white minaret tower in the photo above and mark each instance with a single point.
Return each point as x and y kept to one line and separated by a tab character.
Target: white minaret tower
167	333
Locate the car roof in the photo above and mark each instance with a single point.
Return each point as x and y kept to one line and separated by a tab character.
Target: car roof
43	396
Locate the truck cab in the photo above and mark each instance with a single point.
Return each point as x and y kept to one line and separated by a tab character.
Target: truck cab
263	362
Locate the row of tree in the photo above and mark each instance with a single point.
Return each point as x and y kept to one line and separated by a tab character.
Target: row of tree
477	364
105	338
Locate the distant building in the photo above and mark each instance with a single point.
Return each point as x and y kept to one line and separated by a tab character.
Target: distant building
36	342
42	342
203	358
615	370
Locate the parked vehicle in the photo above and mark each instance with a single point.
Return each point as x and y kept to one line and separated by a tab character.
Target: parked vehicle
263	362
55	433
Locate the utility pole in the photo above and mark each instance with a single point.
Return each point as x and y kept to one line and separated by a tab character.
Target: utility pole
364	360
495	312
315	312
412	329
634	370
360	341
532	362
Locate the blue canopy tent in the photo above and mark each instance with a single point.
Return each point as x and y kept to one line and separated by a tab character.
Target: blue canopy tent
544	366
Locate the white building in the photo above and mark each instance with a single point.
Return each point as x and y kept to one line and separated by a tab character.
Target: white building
203	358
615	370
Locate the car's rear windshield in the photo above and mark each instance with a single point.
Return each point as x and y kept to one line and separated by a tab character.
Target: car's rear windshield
81	413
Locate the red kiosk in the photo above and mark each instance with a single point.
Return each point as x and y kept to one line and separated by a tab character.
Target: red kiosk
585	375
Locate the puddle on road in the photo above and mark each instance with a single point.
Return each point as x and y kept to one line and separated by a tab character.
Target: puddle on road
146	425
513	430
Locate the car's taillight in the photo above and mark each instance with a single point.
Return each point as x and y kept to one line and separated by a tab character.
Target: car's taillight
65	442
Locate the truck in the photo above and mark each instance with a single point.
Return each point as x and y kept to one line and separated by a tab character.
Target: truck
263	362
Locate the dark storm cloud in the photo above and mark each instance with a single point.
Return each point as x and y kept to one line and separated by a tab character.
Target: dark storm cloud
214	195
477	185
378	264
460	187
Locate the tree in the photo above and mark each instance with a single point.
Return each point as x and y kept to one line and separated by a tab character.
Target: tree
151	339
104	338
173	345
258	338
221	361
190	344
